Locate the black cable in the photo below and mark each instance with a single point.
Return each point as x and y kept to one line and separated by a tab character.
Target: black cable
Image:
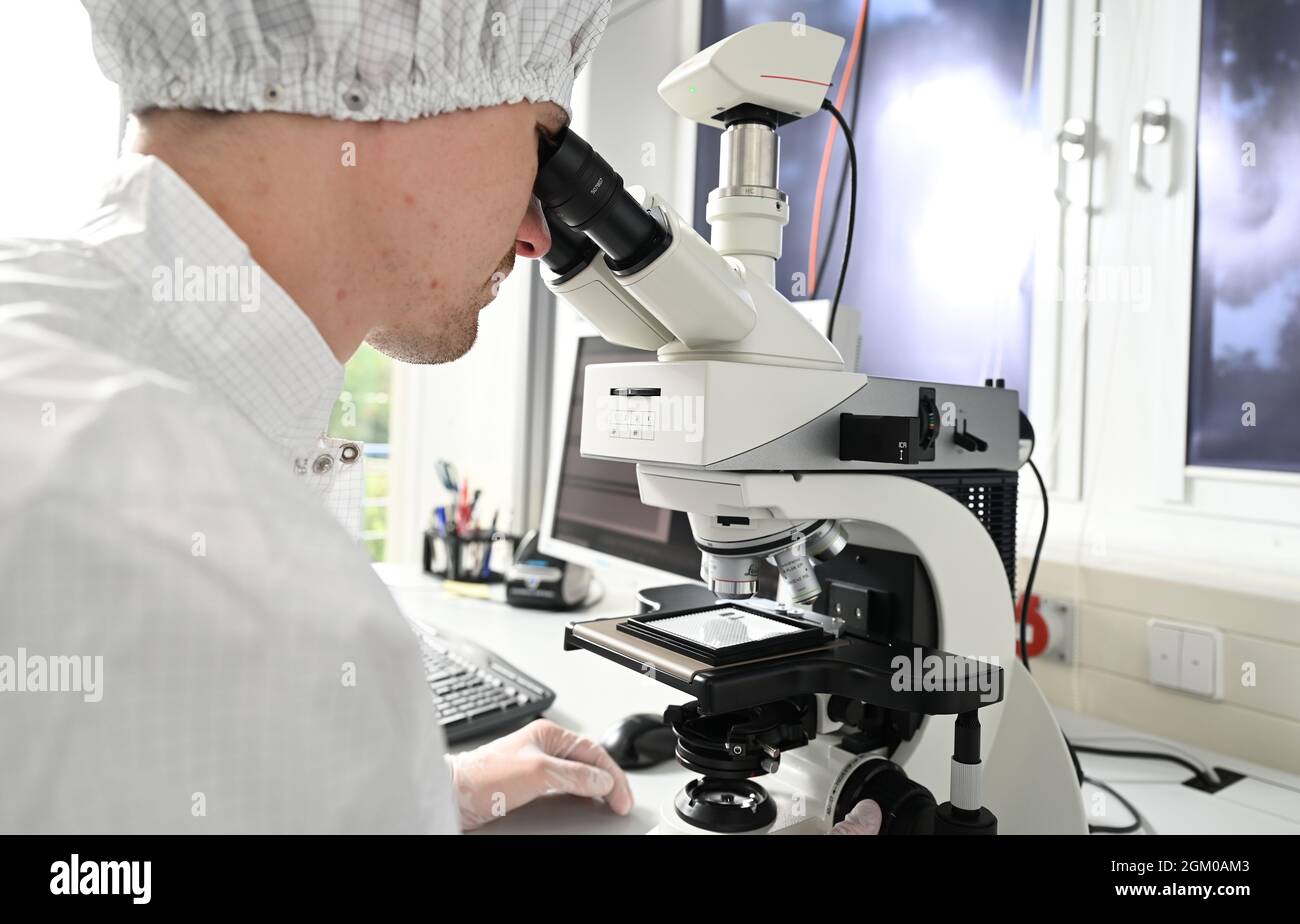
1135	825
1074	759
844	180
853	207
1033	568
1147	755
1027	426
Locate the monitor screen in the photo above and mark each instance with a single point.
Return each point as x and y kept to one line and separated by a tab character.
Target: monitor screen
597	504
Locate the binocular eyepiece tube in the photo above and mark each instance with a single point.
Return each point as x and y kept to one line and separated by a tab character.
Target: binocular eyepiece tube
582	195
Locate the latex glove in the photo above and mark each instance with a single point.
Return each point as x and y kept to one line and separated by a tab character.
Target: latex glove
863	819
539	759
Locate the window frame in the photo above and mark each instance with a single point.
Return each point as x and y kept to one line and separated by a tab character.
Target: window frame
1058	325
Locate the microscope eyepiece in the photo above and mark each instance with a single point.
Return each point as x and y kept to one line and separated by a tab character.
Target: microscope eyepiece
570	251
579	189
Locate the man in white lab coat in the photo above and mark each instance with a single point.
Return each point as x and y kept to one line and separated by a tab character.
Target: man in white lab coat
189	642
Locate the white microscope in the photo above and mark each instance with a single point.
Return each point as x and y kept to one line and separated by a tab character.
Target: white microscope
885	507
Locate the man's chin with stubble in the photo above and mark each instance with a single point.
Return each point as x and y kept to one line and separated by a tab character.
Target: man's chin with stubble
427	346
445	342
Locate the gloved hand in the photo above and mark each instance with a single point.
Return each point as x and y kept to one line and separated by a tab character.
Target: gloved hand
539	759
863	819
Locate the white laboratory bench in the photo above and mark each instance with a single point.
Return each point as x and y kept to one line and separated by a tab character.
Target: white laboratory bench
592	695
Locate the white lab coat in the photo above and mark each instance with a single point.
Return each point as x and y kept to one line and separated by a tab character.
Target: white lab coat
161	509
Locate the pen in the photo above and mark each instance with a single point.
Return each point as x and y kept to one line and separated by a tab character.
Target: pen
462	517
487	556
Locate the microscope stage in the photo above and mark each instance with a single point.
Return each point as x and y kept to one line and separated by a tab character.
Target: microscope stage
911	678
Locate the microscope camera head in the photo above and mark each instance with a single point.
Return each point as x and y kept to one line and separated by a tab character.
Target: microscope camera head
775	71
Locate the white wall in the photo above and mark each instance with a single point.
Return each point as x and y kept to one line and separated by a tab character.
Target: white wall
1258	718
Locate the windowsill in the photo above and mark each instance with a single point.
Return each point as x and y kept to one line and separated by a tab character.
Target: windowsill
1243	475
1142	563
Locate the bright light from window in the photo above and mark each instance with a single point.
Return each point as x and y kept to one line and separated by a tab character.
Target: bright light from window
60	117
969	242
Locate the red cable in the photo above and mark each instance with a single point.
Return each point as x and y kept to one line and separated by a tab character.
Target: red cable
830	145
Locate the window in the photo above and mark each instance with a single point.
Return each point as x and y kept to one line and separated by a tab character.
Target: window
362	413
1245	361
1174	410
942	264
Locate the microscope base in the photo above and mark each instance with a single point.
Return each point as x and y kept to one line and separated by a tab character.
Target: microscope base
804	791
1029	781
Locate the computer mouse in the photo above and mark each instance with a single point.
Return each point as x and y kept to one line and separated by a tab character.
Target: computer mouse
640	741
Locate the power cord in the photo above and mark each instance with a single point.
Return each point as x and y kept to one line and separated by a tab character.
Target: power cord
842	186
1208	777
1134	825
1026	425
853	207
1033	568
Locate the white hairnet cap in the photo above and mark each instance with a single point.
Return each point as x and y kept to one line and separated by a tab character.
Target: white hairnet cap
344	59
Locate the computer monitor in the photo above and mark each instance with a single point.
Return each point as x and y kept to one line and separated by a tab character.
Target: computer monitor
593	514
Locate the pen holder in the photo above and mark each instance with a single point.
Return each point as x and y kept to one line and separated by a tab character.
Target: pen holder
466	557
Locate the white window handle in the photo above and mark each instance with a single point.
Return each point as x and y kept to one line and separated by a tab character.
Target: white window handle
1150	127
1071	147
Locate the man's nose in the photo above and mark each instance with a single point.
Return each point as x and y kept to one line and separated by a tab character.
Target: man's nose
533	239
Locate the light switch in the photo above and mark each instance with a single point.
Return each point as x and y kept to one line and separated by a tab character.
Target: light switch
1199	663
1185	657
1164	646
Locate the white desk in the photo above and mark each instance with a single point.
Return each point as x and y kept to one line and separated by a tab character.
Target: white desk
592	695
1267	802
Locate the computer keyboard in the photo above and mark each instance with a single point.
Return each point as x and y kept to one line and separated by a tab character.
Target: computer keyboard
474	691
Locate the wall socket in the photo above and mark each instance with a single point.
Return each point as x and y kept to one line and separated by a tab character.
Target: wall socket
1058	615
1054	618
1186	658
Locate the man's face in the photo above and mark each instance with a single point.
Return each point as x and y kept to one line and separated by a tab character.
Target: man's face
446	208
